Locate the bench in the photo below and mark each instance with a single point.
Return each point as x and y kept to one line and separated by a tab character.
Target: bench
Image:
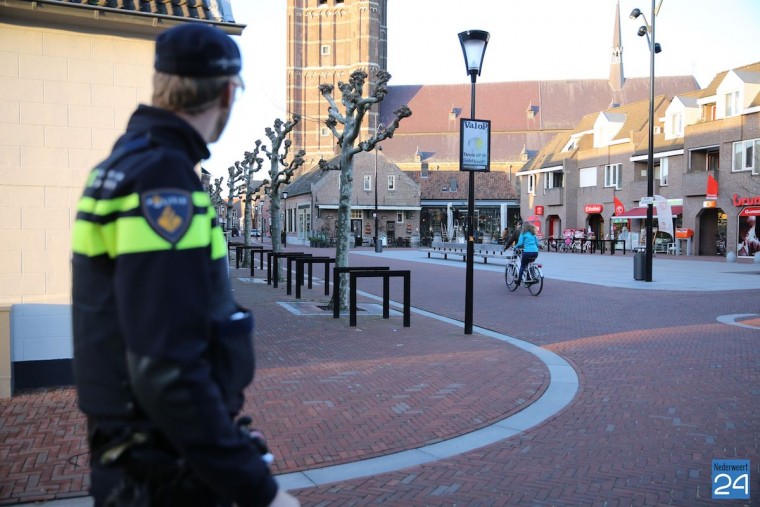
446	249
482	251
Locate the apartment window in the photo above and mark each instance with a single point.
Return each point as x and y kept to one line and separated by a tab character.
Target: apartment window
553	180
325	50
732	103
747	156
612	175
704	159
356	214
532	184
399	217
663	176
368	183
391	182
587	177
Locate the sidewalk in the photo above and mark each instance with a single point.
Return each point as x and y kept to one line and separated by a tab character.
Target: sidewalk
429	416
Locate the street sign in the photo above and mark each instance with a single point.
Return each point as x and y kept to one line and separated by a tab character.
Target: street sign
646	201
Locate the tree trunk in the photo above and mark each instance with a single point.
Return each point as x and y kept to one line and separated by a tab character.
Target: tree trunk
343	241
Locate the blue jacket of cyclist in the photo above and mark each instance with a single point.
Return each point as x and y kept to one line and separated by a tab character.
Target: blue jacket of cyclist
529	243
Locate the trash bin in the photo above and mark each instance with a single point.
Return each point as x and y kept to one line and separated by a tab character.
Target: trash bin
639	265
378	246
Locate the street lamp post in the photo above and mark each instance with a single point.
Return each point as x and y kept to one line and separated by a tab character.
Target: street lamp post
474	44
654	48
378	247
285	219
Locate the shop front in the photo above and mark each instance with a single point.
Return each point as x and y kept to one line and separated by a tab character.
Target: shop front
594	221
633	224
747	243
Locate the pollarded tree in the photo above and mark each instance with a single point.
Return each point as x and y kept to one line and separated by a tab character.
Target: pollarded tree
215	193
280	171
250	165
234	189
356	107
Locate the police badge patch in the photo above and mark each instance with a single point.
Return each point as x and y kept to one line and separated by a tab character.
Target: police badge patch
168	211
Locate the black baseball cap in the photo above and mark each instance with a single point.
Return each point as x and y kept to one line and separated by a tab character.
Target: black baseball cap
197	50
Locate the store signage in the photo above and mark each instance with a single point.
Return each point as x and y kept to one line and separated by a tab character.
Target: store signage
709	204
475	145
593	208
750	212
539	210
746	201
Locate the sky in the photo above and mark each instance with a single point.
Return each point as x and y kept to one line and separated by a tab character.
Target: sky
530	40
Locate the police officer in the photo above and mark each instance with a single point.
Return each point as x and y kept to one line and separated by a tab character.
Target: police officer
162	352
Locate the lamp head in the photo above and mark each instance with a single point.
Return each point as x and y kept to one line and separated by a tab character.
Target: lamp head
474	44
642	31
635	13
285	194
657	47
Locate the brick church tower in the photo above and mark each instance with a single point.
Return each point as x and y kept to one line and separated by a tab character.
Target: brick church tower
327	41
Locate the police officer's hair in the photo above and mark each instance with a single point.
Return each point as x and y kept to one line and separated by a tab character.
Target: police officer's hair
187	94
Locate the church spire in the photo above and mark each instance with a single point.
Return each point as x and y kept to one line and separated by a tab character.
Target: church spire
616	65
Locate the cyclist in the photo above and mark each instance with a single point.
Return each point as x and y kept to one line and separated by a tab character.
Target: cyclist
529	243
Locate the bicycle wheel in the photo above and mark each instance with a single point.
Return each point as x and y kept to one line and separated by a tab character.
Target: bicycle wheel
510	276
537	285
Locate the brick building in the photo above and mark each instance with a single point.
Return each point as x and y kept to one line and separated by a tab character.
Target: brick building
706	164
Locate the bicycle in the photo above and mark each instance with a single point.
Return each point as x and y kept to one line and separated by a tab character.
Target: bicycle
533	278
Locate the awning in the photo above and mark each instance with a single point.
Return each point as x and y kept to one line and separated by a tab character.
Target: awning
642	213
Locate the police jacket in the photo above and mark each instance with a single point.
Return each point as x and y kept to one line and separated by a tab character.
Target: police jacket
158	340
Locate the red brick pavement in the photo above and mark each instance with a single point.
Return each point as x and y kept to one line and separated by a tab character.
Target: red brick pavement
664	389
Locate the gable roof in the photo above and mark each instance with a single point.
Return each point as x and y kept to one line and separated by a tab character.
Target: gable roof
523	114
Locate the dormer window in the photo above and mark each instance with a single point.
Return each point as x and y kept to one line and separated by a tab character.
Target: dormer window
732	103
677	127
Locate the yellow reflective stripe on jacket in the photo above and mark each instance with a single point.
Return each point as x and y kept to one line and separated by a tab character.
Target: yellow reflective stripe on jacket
133	234
108	206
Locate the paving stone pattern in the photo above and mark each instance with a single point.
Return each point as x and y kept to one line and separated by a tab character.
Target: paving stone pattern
665	388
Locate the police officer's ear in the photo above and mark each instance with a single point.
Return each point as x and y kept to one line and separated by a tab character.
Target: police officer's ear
229	91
